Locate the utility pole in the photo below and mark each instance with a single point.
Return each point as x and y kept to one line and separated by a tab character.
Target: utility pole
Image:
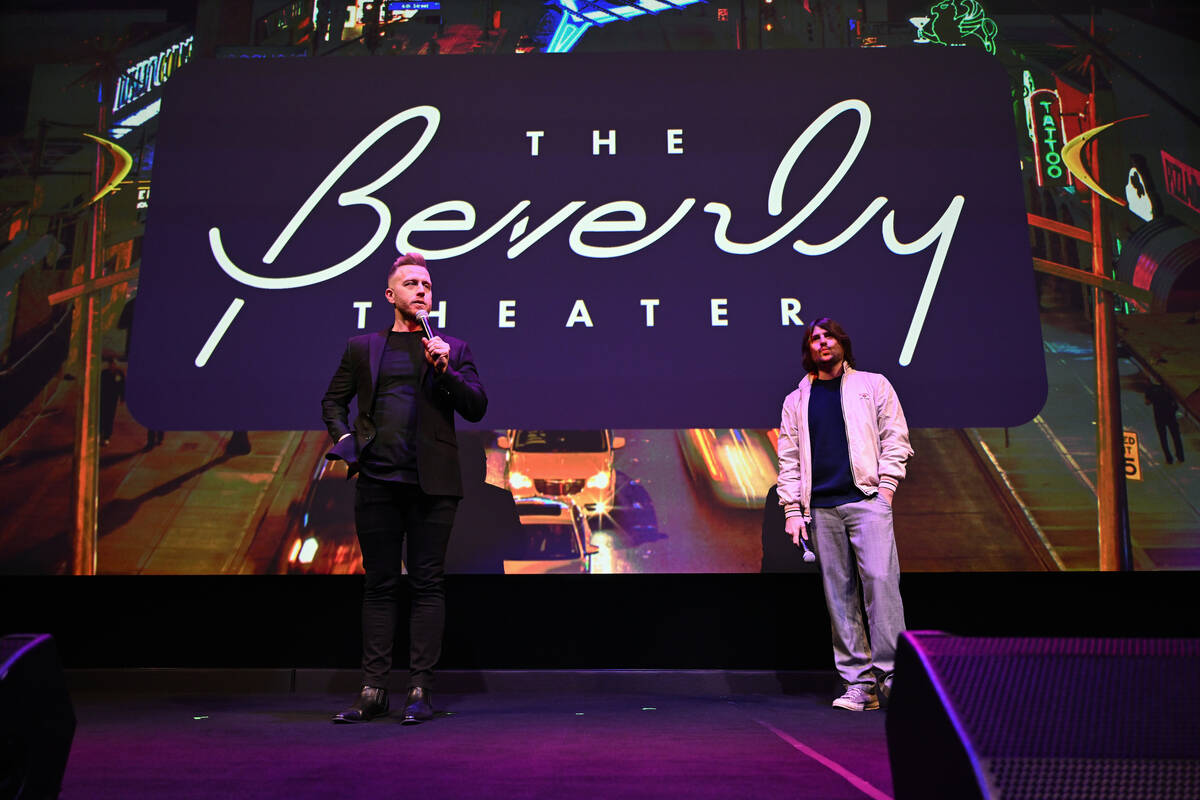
741	26
85	476
1112	513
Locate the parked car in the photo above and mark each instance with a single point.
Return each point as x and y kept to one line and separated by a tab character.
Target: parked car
554	537
323	540
574	465
738	465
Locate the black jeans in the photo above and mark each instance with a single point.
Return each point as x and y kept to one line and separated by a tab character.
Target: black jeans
385	514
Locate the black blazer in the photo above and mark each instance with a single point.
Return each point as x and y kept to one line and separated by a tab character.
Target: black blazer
438	397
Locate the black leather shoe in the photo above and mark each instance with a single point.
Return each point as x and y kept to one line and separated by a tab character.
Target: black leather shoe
371	703
418	706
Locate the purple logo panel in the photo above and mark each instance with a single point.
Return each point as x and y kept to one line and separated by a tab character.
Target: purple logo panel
629	242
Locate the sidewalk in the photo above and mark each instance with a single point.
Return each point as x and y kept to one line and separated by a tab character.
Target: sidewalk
1051	463
191	505
1168	346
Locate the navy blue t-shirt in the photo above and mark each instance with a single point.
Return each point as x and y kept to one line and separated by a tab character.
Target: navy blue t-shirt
832	481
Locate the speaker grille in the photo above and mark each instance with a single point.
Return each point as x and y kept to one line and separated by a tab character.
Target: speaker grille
1095	778
1076	718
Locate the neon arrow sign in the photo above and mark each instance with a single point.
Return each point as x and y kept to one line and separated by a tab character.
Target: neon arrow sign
576	16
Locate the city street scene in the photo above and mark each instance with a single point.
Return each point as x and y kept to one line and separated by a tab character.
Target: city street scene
1106	475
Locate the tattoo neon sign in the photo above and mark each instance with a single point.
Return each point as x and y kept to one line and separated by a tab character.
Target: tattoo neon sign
1046	116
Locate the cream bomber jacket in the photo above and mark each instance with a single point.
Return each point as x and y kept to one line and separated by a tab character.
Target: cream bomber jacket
876	432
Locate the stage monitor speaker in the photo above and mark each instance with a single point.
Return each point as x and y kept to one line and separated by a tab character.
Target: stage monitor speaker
37	721
1043	719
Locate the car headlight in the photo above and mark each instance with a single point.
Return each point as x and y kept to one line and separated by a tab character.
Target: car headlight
308	551
518	480
599	480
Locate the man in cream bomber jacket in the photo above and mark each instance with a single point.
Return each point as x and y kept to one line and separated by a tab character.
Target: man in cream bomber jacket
843	444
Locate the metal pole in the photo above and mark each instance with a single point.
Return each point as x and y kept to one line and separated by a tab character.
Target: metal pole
1110	466
86	473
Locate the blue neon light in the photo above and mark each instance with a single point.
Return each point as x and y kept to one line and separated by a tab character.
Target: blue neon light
141	117
576	16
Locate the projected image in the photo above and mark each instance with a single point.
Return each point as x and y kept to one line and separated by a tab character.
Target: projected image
632	252
647	516
574	464
554	537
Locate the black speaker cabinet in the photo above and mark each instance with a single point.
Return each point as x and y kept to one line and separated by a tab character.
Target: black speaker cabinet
37	721
1045	719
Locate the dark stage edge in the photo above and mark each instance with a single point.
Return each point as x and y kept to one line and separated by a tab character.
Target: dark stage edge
498	734
572	622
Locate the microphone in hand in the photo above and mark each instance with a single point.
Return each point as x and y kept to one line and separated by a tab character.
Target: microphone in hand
796	527
423	318
809	556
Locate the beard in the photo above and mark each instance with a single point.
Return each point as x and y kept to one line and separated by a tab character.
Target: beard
829	363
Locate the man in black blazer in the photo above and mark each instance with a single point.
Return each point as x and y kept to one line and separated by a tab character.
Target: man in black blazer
403	448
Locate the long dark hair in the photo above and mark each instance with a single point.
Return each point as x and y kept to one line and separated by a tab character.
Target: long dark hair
833	329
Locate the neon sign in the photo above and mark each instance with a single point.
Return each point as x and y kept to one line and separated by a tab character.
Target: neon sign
952	21
139	117
1046	116
150	73
1183	181
576	16
1027	89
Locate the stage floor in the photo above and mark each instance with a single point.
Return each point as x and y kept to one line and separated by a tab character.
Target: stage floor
613	734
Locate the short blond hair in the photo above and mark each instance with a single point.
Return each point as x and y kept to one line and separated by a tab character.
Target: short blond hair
415	259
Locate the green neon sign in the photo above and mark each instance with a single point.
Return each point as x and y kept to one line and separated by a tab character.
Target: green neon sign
951	22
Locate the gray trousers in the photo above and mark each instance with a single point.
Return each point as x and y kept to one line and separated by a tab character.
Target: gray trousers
856	546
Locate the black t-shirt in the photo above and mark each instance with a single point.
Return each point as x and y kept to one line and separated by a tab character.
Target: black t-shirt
392	456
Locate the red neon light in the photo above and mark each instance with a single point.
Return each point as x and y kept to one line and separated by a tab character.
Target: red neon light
1143	271
1182	181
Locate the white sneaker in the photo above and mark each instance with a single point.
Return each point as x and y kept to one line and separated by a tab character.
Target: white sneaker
858	698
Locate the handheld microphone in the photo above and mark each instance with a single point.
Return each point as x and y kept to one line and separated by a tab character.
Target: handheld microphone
423	318
809	556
